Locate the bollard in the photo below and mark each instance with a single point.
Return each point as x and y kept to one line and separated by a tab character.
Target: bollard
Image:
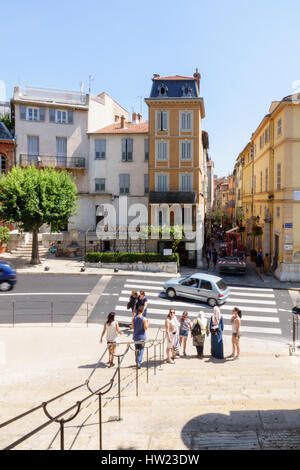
119	390
62	435
100	420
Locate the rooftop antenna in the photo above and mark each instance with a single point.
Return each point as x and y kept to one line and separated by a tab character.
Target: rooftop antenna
91	79
81	84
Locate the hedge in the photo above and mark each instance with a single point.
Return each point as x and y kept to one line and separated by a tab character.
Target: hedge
130	258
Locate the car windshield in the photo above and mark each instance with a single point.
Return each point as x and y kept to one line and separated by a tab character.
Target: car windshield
222	285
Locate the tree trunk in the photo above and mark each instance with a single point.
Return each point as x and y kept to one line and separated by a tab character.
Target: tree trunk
35	258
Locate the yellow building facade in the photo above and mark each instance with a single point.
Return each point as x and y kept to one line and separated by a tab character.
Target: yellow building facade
176	154
271	187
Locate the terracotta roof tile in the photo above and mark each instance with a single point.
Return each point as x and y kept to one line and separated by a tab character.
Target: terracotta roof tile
130	128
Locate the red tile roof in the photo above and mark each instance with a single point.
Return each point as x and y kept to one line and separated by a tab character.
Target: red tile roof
130	128
174	77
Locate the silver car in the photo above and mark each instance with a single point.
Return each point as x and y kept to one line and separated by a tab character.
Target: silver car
200	286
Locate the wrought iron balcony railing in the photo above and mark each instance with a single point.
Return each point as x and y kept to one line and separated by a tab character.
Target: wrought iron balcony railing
50	160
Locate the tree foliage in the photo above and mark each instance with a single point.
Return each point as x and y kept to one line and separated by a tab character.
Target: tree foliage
30	197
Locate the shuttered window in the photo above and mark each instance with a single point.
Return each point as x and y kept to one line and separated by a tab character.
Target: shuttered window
186	121
186	150
278	175
162	120
162	151
146	148
146	183
100	184
124	180
100	149
186	182
127	150
161	182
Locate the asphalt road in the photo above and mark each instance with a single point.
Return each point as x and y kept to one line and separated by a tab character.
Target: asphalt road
40	298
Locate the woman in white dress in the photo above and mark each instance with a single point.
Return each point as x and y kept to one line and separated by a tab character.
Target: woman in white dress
111	327
172	330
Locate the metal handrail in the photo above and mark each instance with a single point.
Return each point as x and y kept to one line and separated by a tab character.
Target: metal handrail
100	392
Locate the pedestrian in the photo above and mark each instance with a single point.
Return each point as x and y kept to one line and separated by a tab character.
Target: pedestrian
260	261
208	257
184	328
215	257
236	325
131	302
111	327
216	327
143	302
172	330
139	325
199	330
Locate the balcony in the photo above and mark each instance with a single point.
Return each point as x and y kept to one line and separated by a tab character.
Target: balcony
43	161
172	197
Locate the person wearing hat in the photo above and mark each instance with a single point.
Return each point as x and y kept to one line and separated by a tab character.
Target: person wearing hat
199	330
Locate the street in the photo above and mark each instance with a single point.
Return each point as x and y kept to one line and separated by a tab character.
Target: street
65	299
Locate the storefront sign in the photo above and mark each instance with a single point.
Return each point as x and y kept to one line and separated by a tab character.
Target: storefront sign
289	225
288	248
167	252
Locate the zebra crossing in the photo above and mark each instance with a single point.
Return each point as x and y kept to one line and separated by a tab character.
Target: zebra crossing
259	308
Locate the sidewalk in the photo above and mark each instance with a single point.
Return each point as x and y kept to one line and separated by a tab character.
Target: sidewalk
248	403
73	266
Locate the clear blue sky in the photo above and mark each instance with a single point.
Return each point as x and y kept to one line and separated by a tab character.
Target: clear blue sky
247	53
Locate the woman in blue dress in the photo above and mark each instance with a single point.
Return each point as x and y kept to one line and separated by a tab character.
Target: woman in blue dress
216	327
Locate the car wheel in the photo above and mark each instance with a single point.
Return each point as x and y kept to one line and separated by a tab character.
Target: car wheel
171	293
212	302
4	286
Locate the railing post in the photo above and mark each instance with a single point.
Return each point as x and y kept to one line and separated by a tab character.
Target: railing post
51	314
62	435
160	355
147	365
100	420
119	389
13	312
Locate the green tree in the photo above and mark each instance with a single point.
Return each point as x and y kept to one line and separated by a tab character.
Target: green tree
30	198
7	121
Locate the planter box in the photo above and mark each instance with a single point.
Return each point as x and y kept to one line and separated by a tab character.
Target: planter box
149	267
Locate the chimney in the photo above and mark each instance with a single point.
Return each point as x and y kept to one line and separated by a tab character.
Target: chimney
197	76
122	122
134	117
156	75
116	118
140	117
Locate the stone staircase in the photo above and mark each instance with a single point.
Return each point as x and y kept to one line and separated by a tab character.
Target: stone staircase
25	250
250	403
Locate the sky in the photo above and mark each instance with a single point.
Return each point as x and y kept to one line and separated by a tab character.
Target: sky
246	51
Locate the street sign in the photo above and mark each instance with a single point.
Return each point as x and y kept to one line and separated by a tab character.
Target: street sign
288	247
289	225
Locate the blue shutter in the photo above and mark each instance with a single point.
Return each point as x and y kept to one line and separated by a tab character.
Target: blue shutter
42	114
129	150
70	117
164	121
51	114
183	121
123	150
23	112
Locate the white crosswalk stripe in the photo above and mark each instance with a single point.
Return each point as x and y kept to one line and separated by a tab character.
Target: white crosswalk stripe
259	307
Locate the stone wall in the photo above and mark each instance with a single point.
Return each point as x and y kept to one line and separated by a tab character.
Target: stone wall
140	266
288	272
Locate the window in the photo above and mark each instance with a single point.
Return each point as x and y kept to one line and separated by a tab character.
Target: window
186	150
161	182
32	113
261	181
279	127
99	184
61	149
278	211
61	116
146	183
162	89
124	181
239	194
2	165
186	121
254	183
32	148
146	149
161	151
278	175
186	182
206	285
100	149
267	179
127	150
162	120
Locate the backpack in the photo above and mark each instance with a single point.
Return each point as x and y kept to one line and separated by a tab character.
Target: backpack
196	330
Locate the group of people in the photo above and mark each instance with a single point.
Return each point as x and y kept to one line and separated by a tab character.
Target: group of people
177	332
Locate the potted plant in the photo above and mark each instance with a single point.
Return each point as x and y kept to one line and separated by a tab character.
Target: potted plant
4	237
